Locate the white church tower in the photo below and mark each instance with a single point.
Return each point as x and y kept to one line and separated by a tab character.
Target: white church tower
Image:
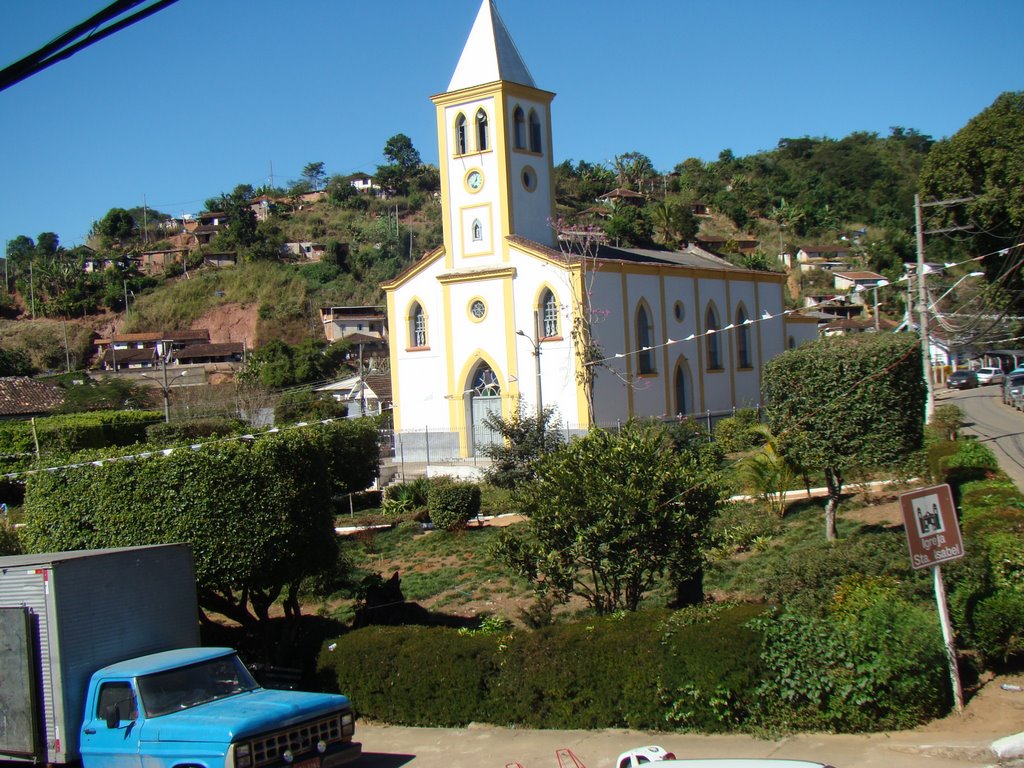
494	141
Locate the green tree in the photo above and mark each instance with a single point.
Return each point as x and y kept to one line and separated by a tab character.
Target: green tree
525	439
404	164
314	175
984	161
846	403
258	516
674	221
629	227
634	170
611	513
118	225
15	362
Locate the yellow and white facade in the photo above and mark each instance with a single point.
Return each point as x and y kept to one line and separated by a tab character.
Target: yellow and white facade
485	322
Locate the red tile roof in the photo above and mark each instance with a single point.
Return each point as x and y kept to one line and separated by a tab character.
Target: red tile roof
24	396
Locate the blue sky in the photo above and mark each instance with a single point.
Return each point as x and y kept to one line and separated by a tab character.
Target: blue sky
208	94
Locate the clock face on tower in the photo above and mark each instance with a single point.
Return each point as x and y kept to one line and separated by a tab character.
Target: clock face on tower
474	180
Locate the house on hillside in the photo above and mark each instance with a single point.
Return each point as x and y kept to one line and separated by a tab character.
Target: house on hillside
852	281
308	251
205	354
263	207
620	196
826	257
342	322
505	315
364	183
157	262
144	350
366	395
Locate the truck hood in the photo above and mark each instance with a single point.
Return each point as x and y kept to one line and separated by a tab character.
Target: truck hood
241	716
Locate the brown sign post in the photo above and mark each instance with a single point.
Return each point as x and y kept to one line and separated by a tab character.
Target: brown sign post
933	535
933	531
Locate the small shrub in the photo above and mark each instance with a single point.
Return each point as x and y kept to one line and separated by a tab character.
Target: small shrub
736	433
196	429
937	453
9	543
877	666
971	461
999	628
947	421
452	504
402	498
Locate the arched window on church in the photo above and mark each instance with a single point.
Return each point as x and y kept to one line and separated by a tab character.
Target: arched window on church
714	361
519	128
535	143
645	355
417	326
548	315
742	339
478	231
460	135
481	130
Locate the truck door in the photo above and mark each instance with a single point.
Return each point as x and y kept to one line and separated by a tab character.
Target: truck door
110	732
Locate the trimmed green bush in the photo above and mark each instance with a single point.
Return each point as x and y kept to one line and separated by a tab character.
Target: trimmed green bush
652	670
736	433
452	503
188	431
999	629
937	454
879	666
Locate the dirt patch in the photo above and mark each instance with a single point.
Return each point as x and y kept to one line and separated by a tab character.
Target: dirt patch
230	322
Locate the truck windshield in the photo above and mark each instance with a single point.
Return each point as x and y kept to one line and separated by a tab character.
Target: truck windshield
176	689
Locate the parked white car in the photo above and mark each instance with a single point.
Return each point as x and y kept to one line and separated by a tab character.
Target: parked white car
990	376
635	758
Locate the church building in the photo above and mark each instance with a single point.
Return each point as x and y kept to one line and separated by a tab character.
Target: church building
508	313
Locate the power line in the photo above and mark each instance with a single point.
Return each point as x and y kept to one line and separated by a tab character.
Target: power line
64	47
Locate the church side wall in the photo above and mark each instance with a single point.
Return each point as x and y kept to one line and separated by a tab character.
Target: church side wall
677	304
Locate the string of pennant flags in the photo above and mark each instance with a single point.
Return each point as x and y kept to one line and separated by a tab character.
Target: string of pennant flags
160	452
769	316
619	355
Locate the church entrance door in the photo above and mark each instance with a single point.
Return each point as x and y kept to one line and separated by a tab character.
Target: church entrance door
484	399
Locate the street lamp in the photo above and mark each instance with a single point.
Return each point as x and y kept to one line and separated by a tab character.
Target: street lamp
535	342
165	386
954	285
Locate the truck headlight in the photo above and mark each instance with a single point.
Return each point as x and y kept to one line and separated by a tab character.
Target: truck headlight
243	756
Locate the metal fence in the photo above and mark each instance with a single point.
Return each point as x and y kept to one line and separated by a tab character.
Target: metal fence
436	446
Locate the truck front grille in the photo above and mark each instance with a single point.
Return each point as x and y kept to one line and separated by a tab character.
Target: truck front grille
300	740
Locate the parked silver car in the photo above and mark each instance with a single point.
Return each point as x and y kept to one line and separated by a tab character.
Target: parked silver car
990	376
1012	386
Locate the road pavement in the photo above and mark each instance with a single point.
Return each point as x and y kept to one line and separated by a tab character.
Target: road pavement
998	426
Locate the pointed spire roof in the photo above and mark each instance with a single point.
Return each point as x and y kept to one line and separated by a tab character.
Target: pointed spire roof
489	54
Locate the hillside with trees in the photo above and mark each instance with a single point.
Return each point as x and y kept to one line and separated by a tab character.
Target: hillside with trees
857	190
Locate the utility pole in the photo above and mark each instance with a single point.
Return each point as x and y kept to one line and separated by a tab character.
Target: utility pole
166	391
31	288
145	220
922	296
67	354
922	309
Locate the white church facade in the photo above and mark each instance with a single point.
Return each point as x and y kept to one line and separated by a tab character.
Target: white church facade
506	314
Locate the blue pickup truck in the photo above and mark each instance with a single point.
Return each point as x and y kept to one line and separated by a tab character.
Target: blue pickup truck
100	664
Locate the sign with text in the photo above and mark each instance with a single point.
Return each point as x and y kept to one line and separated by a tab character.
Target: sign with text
933	531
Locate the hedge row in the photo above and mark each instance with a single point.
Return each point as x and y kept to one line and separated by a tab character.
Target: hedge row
707	669
986	587
60	436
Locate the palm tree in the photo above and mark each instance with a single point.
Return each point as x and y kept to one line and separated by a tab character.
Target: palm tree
769	473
